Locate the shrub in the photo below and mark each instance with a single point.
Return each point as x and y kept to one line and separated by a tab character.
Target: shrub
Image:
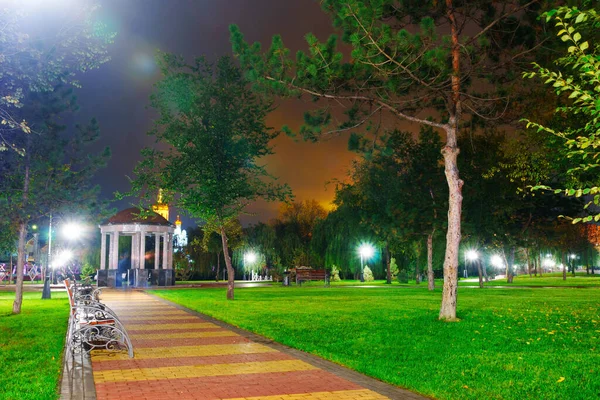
368	274
403	277
335	274
393	268
87	272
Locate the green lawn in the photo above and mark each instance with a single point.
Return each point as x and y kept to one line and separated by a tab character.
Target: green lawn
509	344
553	279
31	346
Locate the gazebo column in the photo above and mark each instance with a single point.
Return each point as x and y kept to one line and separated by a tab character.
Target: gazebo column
170	251
113	259
135	250
156	250
165	254
103	252
142	250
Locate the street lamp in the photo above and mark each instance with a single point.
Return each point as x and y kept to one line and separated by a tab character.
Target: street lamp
249	257
366	251
496	261
71	231
470	255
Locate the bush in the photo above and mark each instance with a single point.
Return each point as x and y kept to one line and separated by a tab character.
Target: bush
368	274
403	277
393	268
335	274
87	272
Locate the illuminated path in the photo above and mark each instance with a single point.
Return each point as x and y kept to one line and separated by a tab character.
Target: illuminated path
181	355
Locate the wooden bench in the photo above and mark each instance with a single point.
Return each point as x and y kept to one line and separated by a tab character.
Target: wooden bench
303	275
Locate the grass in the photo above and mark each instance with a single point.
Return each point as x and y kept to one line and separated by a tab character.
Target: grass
31	346
509	344
552	279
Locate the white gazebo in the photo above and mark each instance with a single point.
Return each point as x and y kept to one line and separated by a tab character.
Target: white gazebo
129	223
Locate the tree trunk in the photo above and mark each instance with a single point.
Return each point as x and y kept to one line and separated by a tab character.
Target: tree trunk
480	274
430	278
528	261
450	289
388	265
450	153
417	272
564	267
20	262
22	234
509	263
218	266
230	271
540	264
485	275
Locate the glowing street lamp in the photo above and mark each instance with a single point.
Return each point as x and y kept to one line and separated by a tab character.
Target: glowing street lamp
496	261
249	257
72	231
366	251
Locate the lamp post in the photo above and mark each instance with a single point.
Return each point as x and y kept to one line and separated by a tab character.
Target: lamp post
249	257
366	251
46	292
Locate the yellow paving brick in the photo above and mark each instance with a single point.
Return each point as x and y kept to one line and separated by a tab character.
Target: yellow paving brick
185	351
362	394
133	319
161	326
197	371
182	335
128	314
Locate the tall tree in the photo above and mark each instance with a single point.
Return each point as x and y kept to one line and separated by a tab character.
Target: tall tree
214	128
73	40
54	175
423	62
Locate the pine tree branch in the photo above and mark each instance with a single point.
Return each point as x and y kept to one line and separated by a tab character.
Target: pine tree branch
379	102
491	25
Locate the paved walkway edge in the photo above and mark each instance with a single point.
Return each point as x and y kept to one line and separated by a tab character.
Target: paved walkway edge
367	382
77	381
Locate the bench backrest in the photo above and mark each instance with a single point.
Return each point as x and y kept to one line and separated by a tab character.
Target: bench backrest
67	284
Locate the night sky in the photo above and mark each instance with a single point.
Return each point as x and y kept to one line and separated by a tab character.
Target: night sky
117	93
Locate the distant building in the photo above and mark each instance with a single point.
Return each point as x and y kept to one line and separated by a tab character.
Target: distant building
161	208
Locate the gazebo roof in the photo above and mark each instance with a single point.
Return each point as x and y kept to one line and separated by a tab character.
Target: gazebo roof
132	216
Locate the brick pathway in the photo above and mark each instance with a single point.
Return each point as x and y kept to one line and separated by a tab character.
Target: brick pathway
179	355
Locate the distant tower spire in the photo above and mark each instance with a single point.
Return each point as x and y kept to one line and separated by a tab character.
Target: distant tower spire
161	208
178	225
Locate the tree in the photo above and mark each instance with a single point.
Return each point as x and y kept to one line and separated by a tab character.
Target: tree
72	42
404	74
54	175
294	229
214	128
578	78
211	241
398	192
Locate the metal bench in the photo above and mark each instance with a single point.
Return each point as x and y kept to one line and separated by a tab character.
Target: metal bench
93	325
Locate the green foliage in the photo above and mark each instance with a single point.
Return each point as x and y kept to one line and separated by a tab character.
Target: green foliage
88	272
214	127
37	60
335	274
403	276
368	274
393	268
578	79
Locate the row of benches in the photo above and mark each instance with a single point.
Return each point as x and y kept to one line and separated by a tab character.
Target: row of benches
92	324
